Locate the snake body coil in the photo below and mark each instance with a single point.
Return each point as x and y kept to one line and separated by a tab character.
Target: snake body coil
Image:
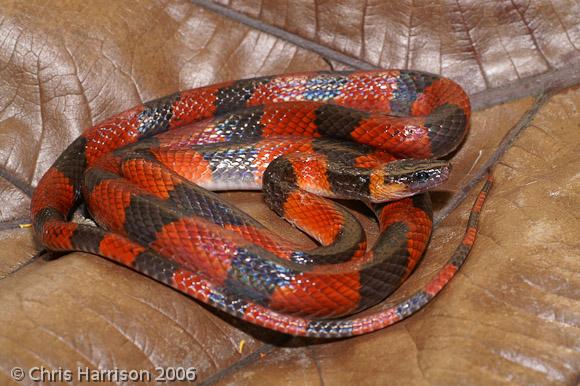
372	136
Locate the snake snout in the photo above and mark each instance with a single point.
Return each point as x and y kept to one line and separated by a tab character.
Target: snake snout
407	177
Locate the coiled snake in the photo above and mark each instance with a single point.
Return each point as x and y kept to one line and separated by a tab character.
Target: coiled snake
367	135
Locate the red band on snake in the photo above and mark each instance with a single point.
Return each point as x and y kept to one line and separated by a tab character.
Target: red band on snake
372	136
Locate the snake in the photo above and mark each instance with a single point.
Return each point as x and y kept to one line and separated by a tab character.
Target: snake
145	178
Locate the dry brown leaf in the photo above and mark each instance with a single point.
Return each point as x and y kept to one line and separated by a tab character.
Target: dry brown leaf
511	316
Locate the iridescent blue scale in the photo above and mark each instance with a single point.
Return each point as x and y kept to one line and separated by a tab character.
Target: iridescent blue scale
413	304
322	87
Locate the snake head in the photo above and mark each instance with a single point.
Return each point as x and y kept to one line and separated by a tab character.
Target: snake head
404	178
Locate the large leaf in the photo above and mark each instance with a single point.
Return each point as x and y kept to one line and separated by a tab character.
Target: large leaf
511	316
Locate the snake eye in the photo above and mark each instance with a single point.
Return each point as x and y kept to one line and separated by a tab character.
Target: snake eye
422	176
